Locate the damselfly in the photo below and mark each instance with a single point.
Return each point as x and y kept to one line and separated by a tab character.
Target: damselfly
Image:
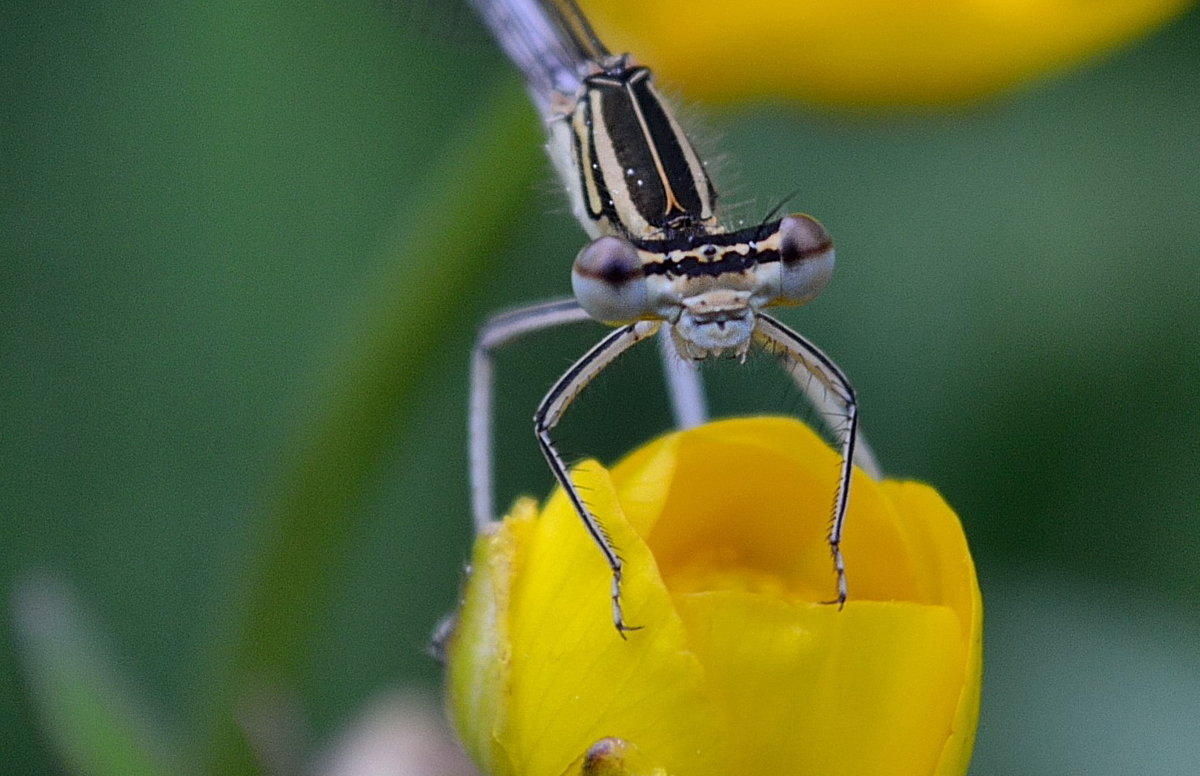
660	259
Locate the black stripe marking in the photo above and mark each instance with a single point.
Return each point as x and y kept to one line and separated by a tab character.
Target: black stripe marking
690	241
693	267
588	168
675	165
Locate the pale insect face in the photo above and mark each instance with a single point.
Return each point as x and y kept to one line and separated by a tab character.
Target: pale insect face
715	322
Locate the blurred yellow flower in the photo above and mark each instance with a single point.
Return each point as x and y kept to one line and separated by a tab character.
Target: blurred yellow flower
739	668
867	52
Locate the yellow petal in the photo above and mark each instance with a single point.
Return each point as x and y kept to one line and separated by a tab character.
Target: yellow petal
950	580
755	496
808	689
867	52
478	649
572	679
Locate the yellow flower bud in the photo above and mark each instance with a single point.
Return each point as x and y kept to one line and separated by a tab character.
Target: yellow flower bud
867	52
740	668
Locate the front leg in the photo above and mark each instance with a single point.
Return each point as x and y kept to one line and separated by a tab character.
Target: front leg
551	411
778	338
496	333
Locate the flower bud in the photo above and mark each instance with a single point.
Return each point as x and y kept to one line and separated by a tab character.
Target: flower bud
740	668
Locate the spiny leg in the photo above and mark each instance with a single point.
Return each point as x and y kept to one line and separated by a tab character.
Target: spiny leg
780	339
551	411
830	403
497	332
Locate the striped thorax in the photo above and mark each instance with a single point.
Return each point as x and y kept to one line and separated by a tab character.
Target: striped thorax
631	170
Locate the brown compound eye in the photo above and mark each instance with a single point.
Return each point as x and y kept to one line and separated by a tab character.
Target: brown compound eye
608	280
806	253
803	238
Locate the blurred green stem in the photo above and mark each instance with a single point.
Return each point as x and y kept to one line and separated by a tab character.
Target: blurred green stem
95	722
305	527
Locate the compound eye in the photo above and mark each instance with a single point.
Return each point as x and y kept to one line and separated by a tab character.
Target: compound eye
806	253
608	280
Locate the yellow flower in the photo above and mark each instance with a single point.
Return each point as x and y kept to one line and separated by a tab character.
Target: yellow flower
867	52
739	668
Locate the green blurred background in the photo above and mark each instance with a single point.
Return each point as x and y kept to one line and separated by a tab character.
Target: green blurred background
234	332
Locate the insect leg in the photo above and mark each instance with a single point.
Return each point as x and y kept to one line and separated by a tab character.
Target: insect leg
684	386
550	412
497	332
780	339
